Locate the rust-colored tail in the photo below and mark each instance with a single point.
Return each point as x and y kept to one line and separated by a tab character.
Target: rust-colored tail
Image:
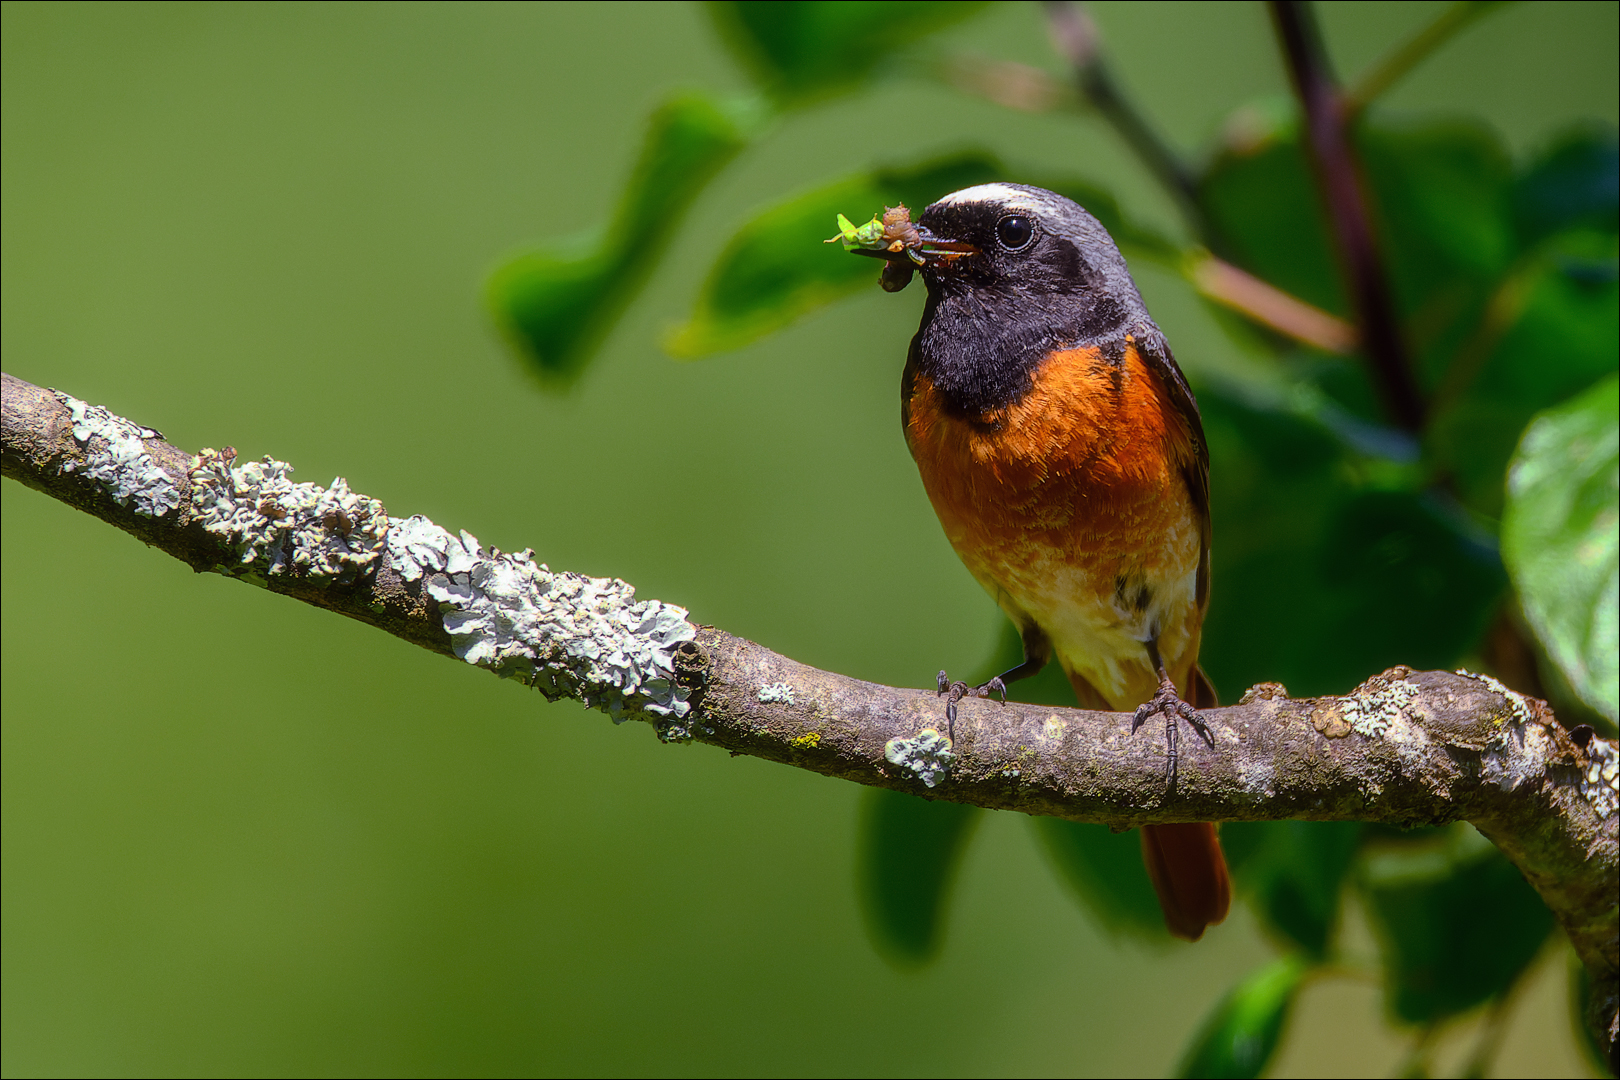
1184	861
1189	874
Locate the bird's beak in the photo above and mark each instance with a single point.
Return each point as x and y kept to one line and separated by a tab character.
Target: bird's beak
939	252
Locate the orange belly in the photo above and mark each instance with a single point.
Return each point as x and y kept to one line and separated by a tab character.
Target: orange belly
1071	508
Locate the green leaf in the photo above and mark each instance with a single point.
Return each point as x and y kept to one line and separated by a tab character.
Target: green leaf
1105	874
557	303
1456	921
1294	872
776	269
909	851
1558	313
1440	192
1242	1033
1410	582
802	50
1561	539
1323	569
1575	184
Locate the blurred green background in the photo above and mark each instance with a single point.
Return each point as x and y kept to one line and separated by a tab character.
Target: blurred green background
244	837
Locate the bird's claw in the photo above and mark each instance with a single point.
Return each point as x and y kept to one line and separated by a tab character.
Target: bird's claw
958	690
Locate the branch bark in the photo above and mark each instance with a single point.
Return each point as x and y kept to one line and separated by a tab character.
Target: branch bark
1405	748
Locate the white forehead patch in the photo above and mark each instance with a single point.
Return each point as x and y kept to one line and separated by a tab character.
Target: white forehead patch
999	194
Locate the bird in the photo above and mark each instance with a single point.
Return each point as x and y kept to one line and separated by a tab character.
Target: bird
1063	453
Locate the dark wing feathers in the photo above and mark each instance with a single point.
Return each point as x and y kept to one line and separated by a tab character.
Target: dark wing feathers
1156	352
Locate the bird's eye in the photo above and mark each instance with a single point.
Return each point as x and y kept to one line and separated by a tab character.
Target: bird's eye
1015	231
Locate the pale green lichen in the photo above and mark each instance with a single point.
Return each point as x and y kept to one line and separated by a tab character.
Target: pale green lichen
1600	782
417	546
1376	705
566	633
927	755
286	527
776	692
116	457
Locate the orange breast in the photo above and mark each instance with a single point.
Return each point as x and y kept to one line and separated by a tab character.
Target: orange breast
1070	506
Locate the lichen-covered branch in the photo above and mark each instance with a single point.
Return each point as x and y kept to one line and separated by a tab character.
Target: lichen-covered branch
1403	748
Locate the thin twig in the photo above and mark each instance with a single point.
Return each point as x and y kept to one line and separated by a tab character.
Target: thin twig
1268	305
1395	65
1075	37
1344	196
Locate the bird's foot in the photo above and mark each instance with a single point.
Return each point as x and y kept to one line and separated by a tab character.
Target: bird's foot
956	691
1168	702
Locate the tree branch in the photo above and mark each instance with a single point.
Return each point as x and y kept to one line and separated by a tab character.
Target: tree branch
1404	748
1339	179
1076	39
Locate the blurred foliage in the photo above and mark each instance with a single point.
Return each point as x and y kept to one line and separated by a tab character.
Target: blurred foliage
910	849
1104	870
1341	546
774	270
800	51
558	303
1294	871
1242	1033
1457	923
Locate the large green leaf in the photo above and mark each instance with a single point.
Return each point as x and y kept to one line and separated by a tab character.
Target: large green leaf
1441	193
557	303
777	269
909	851
1561	539
1264	209
1547	329
1561	306
1240	1036
1456	921
1294	872
1323	569
1506	284
804	49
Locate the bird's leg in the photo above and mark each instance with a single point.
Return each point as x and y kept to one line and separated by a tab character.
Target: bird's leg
1034	660
1168	702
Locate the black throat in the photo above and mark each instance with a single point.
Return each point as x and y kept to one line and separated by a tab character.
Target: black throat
981	342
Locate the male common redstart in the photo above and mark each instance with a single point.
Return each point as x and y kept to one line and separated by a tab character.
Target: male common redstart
1063	453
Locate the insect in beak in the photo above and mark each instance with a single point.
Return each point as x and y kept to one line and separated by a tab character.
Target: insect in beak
904	246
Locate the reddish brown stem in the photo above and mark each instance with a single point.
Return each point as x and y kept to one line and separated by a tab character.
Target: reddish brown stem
1344	197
